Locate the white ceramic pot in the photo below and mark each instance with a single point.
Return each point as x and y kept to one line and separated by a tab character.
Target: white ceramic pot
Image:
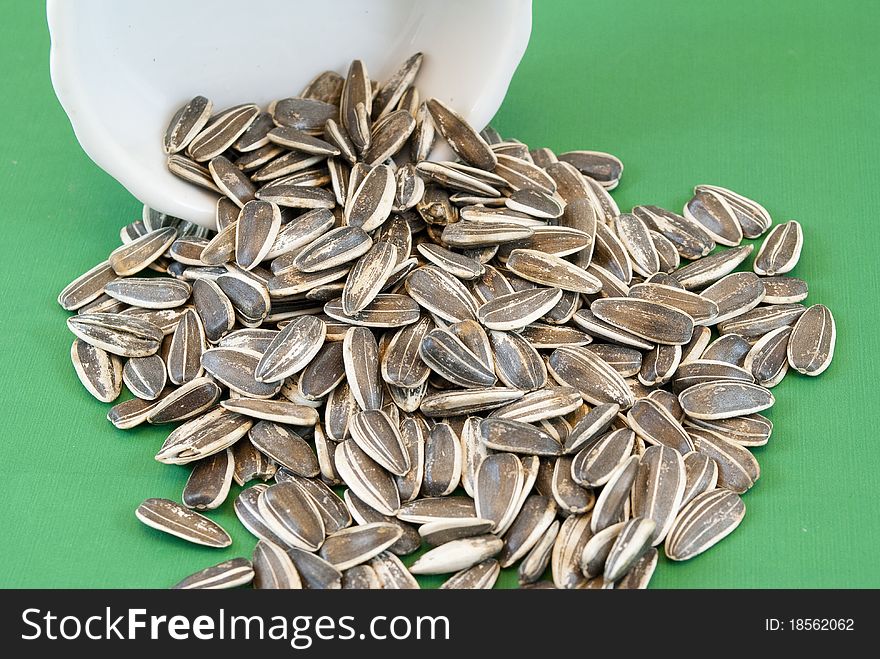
121	68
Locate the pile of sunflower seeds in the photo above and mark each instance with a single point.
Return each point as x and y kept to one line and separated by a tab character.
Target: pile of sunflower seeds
485	357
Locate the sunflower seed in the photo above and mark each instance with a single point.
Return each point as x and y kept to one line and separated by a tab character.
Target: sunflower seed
517	437
703	309
768	358
208	484
441	294
145	377
753	218
443	462
290	513
314	571
401	363
307	114
375	433
277	411
585	319
738	469
481	576
231	181
701	475
285	447
594	378
452	359
228	574
132	412
497	488
760	320
735	294
172	518
248	514
657	426
291	350
632	541
590	426
457	555
569	495
658	489
132	257
709	269
360	354
463	139
367	479
614	497
535	563
516	310
781	249
702	523
715	215
333	510
392	574
596	463
573	535
250	464
100	372
274	569
729	348
355	545
437	509
653	322
186	123
222	132
812	340
409	540
202	436
118	334
86	288
784	290
723	400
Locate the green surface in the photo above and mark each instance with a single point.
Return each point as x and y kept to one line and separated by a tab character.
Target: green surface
777	100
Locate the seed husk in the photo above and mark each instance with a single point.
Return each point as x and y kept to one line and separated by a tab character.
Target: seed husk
202	436
172	518
274	569
446	355
100	371
613	498
517	363
291	514
632	541
222	132
357	544
333	511
723	400
228	574
712	211
250	464
689	237
658	490
497	488
656	425
735	294
314	571
768	358
187	401
186	123
701	475
132	257
291	350
463	139
457	555
375	433
536	561
708	269
585	319
781	249
87	287
569	495
277	411
284	447
601	167
517	437
372	484
443	462
437	509
705	521
481	576
729	348
208	484
573	535
703	309
784	290
738	470
653	322
119	334
812	340
597	462
145	377
596	380
409	539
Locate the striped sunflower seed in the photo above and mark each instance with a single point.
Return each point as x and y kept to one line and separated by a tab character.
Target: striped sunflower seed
811	342
457	555
481	576
222	132
658	490
518	437
292	515
119	334
100	372
372	484
768	358
463	139
186	123
784	290
291	350
284	447
208	484
565	559
497	488
715	215
709	269
614	498
738	470
701	475
357	544
443	462
202	436
228	574
274	569
596	463
705	521
172	518
536	561
145	377
187	401
594	378
447	356
781	249
409	540
629	545
723	400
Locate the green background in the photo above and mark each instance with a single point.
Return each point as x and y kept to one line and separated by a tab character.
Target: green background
776	100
